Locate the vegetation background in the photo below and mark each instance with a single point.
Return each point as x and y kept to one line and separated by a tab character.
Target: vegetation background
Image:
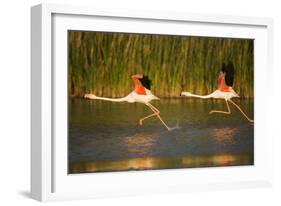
102	63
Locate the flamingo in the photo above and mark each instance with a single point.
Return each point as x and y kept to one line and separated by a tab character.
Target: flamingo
224	91
141	94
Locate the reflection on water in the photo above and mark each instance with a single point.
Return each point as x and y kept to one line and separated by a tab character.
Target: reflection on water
138	144
105	136
226	134
148	163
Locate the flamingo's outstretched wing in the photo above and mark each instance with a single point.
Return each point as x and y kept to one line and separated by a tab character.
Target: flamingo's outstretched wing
229	74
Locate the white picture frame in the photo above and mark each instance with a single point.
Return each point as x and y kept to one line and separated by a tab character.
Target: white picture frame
49	178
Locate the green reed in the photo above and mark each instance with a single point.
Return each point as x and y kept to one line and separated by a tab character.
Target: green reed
102	63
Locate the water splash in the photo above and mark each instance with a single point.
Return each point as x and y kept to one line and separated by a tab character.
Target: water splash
175	127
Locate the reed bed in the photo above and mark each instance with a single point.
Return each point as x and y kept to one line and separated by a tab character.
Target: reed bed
102	63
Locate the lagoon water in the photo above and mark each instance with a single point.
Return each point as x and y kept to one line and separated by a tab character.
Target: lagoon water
106	136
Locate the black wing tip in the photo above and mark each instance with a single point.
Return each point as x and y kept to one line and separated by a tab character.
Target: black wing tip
146	82
228	69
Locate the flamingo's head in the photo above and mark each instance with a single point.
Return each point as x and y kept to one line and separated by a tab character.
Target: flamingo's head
185	94
89	96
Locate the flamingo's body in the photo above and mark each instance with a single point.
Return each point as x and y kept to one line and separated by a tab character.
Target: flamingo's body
224	91
145	97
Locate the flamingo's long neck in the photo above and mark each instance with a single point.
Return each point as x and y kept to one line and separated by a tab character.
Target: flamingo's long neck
91	96
112	99
188	94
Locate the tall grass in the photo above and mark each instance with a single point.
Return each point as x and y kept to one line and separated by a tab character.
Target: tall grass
102	63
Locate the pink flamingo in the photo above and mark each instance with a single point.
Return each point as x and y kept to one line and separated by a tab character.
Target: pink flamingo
141	94
224	91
